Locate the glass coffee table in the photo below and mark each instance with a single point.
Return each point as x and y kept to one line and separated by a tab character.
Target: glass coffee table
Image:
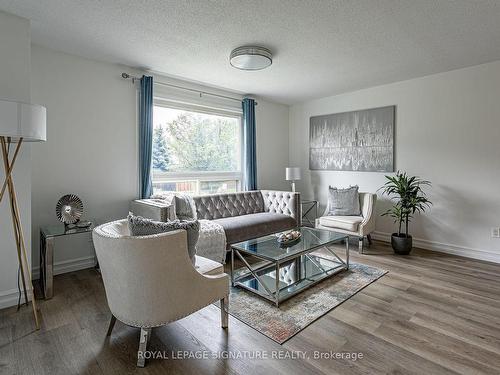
285	270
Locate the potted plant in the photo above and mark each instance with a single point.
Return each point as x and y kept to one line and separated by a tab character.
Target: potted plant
410	199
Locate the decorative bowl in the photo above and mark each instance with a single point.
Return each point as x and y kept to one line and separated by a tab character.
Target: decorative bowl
288	237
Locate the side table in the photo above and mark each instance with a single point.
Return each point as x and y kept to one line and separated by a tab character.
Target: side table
307	206
48	235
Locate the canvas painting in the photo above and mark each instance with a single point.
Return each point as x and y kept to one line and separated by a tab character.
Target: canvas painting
353	141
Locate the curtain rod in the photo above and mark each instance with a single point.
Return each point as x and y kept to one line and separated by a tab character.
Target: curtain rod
128	76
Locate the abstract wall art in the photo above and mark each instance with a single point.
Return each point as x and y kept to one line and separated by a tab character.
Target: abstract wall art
353	141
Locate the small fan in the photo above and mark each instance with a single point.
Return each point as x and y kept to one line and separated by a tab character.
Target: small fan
69	209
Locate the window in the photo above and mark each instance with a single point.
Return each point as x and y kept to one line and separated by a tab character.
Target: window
195	150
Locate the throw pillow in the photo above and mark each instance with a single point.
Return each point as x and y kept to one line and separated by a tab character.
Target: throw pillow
139	226
344	202
184	207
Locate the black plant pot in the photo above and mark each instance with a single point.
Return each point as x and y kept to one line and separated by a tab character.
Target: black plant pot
401	244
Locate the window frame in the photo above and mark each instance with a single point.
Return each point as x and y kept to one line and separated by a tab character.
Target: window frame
202	176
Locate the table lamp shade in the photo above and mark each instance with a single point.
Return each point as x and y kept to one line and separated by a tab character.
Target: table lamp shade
22	120
293	174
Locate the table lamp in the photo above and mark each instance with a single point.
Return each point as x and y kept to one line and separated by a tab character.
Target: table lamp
293	174
19	122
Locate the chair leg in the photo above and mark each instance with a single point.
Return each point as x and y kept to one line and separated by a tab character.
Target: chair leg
111	325
143	345
360	245
369	238
224	311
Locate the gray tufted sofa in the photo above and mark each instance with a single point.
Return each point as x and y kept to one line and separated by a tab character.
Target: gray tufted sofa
243	215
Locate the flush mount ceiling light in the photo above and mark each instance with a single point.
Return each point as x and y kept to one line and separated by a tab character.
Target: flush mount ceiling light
251	58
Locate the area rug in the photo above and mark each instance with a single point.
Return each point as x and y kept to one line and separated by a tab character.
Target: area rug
292	316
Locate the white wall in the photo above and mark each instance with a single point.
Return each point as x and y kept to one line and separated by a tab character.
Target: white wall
272	145
91	143
91	147
15	43
447	131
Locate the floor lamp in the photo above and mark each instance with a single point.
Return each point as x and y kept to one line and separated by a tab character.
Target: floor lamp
19	123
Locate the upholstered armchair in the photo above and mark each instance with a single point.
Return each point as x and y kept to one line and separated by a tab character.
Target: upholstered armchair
150	280
359	226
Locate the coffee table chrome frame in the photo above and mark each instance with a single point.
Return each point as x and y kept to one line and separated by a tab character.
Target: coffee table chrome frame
275	296
306	220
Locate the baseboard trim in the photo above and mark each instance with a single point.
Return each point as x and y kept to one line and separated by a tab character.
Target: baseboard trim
463	251
68	266
10	297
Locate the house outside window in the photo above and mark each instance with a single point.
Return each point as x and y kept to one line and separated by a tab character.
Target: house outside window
196	150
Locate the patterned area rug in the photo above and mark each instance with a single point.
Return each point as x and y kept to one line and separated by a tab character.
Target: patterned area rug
295	314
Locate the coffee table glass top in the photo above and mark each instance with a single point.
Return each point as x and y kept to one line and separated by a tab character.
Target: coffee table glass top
269	248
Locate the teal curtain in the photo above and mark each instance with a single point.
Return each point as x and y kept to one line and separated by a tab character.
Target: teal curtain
146	135
249	145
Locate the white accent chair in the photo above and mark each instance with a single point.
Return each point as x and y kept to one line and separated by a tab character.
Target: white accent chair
150	280
357	226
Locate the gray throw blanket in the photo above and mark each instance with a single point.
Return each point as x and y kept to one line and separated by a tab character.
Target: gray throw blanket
212	241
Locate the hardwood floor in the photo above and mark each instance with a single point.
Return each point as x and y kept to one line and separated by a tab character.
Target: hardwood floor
431	314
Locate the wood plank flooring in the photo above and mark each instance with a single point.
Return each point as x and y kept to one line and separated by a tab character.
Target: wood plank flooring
431	314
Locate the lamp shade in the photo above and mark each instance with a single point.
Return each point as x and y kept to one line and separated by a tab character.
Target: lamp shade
22	120
293	174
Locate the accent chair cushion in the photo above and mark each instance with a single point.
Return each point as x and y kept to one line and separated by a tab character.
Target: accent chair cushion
245	227
348	223
207	266
140	226
344	202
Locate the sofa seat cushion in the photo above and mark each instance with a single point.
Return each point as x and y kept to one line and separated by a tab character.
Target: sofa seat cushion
245	227
349	223
206	266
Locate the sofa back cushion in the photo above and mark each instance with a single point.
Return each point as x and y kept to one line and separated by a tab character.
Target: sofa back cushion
217	206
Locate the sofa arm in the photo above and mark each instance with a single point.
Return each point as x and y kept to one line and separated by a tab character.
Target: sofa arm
155	209
283	202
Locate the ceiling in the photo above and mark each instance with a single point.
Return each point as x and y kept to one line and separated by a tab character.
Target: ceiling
321	47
